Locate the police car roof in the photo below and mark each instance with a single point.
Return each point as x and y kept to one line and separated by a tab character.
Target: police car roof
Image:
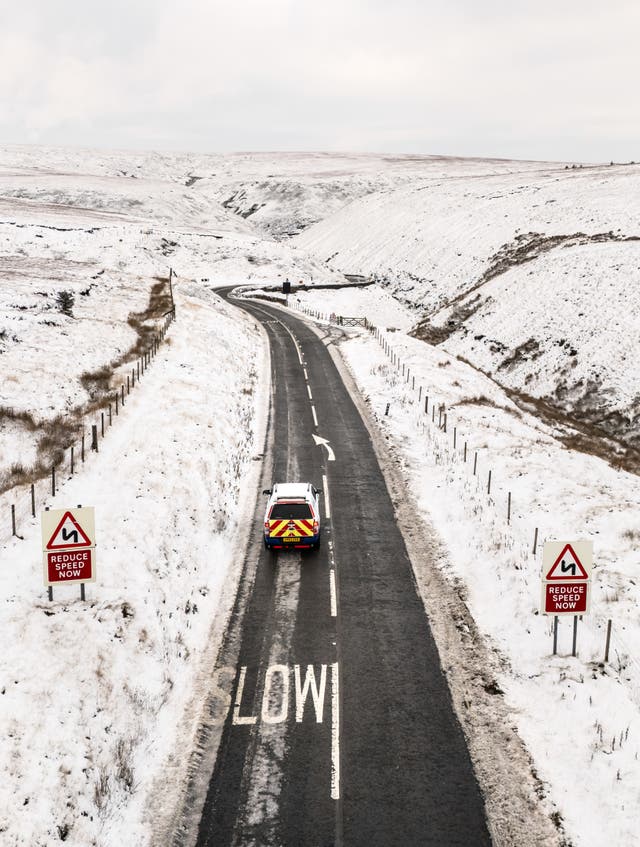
291	490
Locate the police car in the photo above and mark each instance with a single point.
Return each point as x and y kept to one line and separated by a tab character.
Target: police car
292	518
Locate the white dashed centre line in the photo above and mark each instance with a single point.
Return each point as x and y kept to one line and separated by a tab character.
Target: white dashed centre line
335	733
332	589
309	393
325	494
315	417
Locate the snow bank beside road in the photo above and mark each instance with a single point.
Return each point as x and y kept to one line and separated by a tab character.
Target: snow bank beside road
93	694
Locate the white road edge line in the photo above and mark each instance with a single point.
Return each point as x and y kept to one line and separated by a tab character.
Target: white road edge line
285	327
332	589
309	393
335	733
315	417
325	494
295	341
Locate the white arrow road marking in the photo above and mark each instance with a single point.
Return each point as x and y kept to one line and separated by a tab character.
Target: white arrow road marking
318	440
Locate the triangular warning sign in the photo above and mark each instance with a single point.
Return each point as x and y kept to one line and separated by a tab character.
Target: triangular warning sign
68	533
567	566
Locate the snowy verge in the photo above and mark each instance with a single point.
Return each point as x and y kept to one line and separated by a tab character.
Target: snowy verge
93	695
577	717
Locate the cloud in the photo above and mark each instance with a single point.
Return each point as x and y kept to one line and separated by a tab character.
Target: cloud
553	80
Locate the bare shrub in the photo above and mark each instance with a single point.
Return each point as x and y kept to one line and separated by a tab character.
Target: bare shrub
124	771
58	435
102	789
65	301
97	382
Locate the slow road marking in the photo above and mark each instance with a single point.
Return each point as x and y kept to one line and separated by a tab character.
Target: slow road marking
293	693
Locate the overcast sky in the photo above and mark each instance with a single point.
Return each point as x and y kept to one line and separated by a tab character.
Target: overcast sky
551	79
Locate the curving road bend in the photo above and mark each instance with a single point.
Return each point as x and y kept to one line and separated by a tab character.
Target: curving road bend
338	726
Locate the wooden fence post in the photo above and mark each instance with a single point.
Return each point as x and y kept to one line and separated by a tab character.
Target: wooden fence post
475	462
72	460
94	437
53	480
33	500
13	519
535	540
608	642
489	484
509	507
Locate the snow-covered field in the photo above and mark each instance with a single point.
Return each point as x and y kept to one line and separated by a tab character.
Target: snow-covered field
524	278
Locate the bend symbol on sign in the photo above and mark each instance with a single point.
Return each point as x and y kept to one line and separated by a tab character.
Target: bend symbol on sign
567	566
67	534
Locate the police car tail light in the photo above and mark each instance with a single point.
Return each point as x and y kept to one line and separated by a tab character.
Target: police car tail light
316	526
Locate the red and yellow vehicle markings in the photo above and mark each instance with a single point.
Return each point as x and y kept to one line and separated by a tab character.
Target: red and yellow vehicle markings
290	528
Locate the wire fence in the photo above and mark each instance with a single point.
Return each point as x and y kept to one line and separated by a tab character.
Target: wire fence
21	504
452	448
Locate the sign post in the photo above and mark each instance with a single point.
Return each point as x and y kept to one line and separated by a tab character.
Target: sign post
69	546
566	580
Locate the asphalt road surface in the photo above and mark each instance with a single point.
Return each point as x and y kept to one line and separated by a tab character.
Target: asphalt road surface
338	726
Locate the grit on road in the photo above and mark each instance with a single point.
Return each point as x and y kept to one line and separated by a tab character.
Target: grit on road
338	725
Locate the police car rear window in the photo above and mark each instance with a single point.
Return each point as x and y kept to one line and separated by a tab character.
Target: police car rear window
295	511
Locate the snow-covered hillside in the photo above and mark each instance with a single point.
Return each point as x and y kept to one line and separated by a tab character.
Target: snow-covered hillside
285	194
533	278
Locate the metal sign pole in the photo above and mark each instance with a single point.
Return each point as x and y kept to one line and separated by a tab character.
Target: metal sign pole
555	634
